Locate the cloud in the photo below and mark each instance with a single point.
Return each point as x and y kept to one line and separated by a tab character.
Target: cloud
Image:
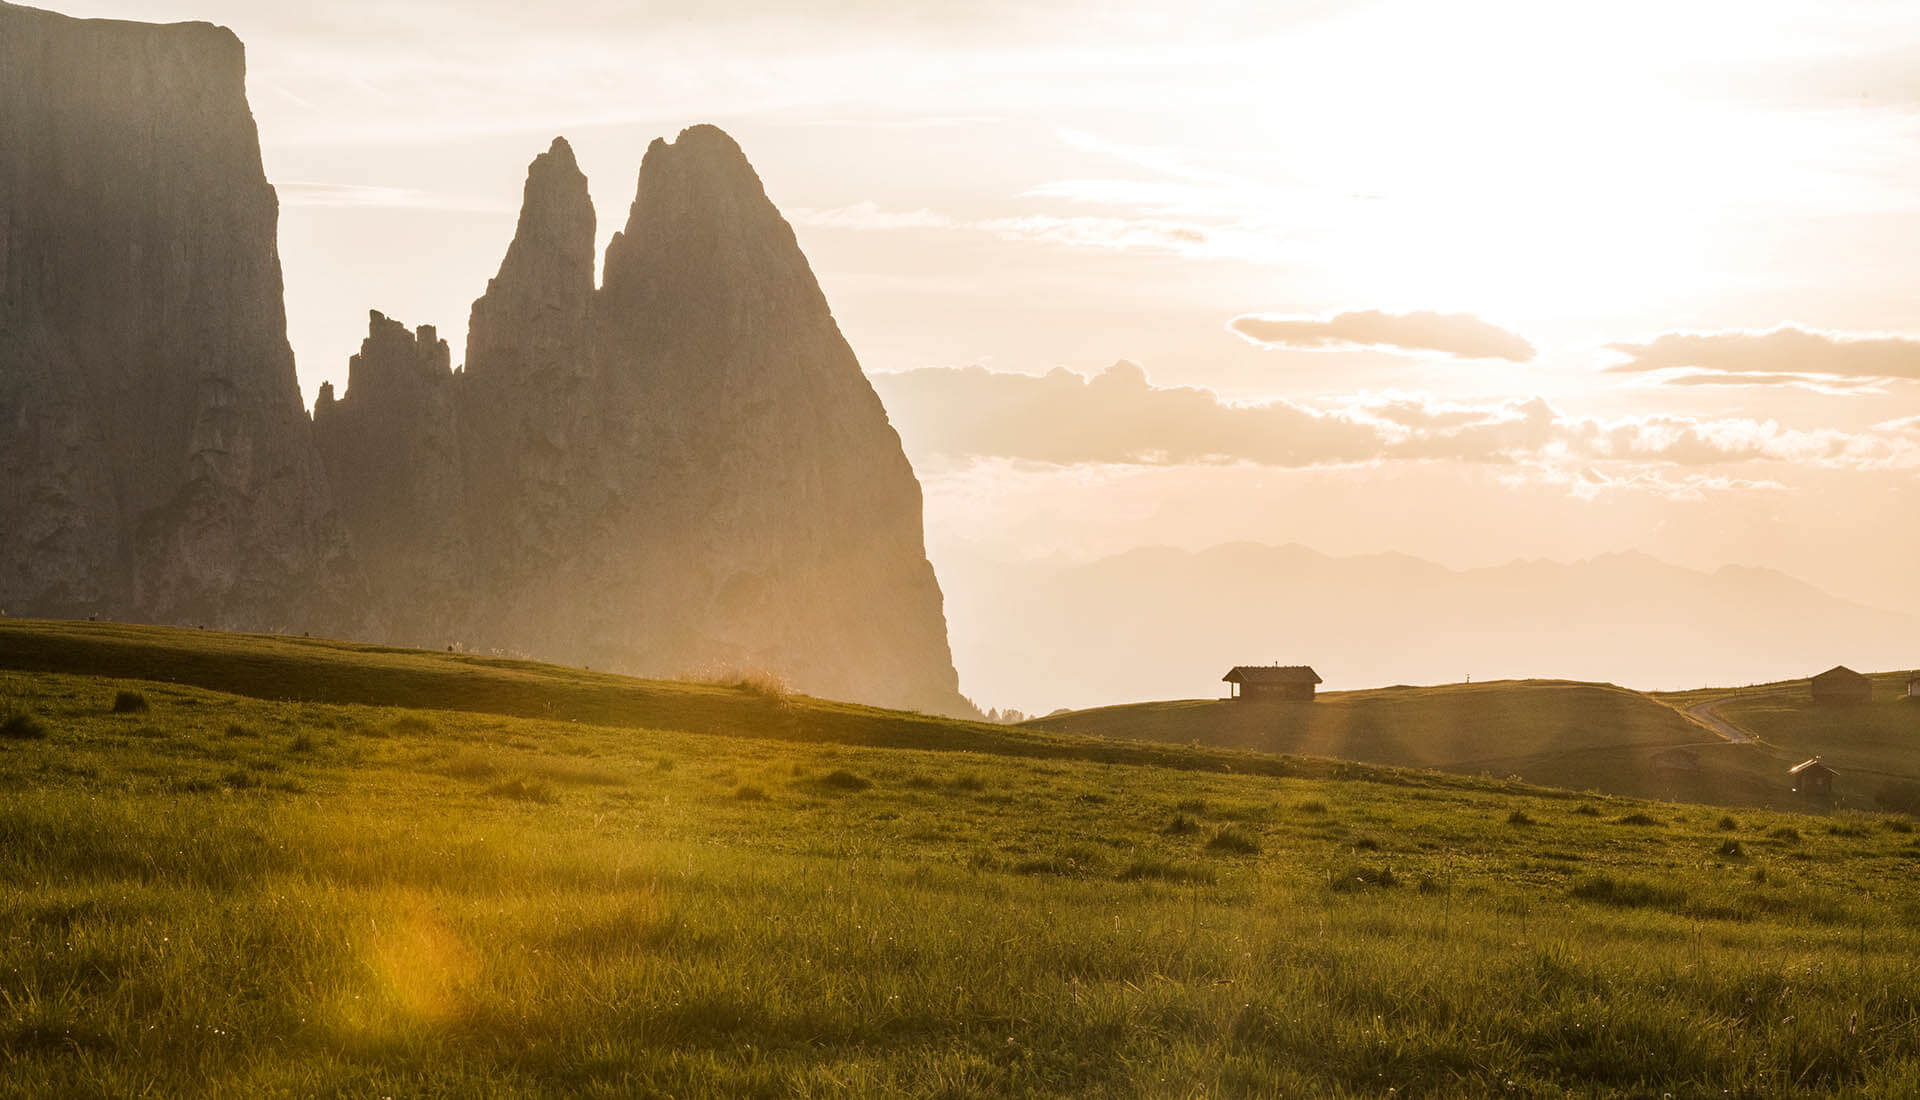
1461	335
1787	355
1120	417
869	215
1080	231
1117	416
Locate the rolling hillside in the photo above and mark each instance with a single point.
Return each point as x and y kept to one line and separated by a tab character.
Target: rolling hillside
1555	733
1874	746
540	882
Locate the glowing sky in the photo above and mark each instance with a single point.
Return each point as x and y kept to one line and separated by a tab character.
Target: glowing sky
1521	268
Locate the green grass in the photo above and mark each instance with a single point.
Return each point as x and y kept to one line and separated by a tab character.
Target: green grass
447	902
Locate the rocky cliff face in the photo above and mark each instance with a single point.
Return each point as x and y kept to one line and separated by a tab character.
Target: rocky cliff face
684	470
391	448
158	463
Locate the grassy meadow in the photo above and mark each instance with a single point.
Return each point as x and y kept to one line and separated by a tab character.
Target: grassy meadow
206	893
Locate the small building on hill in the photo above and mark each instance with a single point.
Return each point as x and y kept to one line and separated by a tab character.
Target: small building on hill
1272	683
1913	686
1813	779
1841	684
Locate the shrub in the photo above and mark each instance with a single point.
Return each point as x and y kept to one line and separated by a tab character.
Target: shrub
1636	819
1365	844
1312	806
241	779
1585	810
1191	805
841	779
523	790
1786	834
750	793
1519	817
1235	841
129	702
23	726
1728	824
235	729
302	743
967	782
1181	823
1731	850
758	682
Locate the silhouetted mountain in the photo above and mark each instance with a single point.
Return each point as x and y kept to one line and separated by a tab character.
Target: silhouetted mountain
685	469
156	454
1161	623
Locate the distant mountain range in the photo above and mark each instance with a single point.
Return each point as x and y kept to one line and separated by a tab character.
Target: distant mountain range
1163	623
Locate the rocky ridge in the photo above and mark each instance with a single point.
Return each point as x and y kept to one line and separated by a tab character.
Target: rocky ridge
682	470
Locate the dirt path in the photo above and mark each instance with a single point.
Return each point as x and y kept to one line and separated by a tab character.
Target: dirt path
1704	714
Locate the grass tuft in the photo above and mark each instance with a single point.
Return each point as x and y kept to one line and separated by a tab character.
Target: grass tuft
1158	869
1519	817
747	792
525	790
23	725
1357	877
1182	824
1627	893
129	702
841	779
1234	840
1637	819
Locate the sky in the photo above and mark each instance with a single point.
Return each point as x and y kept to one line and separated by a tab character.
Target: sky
1472	282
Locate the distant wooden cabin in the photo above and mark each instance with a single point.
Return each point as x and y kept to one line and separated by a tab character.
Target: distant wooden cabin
1272	683
1913	686
1813	779
1841	684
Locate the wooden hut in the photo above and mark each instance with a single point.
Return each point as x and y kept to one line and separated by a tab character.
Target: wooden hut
1813	779
1272	683
1841	684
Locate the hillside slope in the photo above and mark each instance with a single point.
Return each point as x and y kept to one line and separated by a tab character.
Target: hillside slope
1874	746
314	670
210	894
1550	732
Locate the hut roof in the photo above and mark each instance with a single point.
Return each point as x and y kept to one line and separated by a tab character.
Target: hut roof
1838	673
1813	765
1272	674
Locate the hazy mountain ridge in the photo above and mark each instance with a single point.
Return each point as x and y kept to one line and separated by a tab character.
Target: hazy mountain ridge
683	471
1165	623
